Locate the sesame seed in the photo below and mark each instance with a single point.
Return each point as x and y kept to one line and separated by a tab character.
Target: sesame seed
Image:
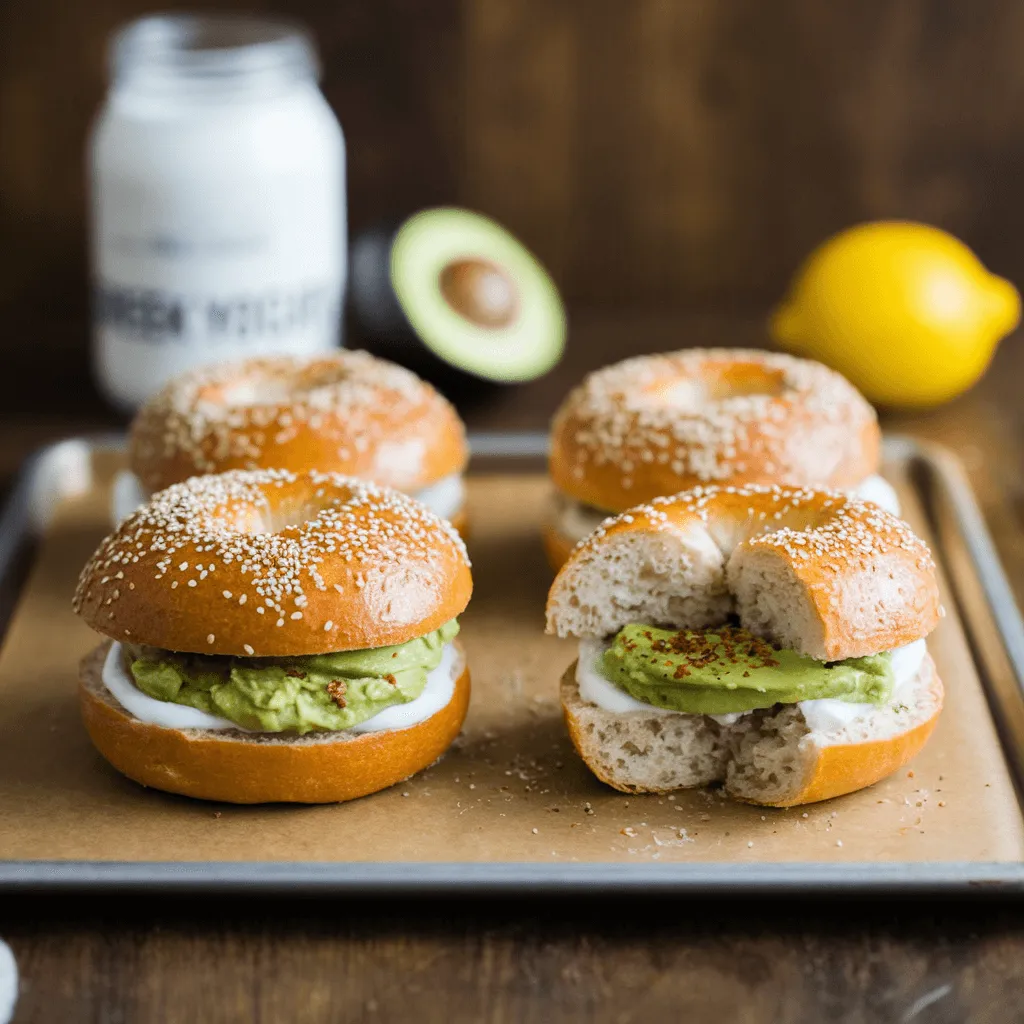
210	638
227	594
248	649
328	626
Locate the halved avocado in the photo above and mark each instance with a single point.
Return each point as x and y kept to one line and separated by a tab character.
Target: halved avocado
452	285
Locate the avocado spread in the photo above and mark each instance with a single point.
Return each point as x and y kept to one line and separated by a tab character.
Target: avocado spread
300	694
723	670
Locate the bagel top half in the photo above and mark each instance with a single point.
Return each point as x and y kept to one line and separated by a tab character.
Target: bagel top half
659	424
269	563
827	575
347	412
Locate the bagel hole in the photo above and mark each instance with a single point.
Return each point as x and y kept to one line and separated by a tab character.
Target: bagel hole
718	384
273	388
743	380
257	521
252	391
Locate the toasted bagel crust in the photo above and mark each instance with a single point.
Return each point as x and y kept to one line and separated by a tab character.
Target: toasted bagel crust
243	768
268	563
655	425
865	579
347	412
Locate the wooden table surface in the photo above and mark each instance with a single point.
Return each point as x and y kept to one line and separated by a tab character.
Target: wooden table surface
205	960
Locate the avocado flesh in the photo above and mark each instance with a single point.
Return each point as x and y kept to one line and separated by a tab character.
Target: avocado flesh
296	694
725	670
424	250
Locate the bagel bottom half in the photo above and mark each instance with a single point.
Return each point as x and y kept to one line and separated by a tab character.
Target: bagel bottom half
770	757
251	768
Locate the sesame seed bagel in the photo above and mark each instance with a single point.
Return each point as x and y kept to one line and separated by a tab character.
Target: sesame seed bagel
270	563
347	412
817	571
659	424
249	768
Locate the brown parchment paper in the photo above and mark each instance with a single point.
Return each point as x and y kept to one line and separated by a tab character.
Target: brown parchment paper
512	789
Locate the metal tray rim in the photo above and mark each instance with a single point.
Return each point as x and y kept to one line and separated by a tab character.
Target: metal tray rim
24	514
453	877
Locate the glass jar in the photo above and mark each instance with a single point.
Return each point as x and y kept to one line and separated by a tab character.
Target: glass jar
218	201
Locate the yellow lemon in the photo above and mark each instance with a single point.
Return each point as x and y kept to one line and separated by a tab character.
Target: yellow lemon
907	312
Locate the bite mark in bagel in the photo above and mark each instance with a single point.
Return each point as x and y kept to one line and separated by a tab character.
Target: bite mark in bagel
828	580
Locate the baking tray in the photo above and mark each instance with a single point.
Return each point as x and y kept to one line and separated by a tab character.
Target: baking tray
984	627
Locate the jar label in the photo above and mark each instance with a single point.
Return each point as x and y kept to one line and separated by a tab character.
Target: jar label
186	275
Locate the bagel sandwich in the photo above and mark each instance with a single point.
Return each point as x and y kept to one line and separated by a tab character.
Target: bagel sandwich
275	637
346	412
659	424
770	640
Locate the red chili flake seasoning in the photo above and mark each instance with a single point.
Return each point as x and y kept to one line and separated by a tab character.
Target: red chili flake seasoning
294	673
391	679
336	689
697	650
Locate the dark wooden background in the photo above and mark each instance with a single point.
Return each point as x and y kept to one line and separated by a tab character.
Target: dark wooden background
676	153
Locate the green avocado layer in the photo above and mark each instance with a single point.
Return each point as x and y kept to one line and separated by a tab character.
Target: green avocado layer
724	670
319	691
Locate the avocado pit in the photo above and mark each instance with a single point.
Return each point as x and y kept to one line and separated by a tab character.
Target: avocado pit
481	292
